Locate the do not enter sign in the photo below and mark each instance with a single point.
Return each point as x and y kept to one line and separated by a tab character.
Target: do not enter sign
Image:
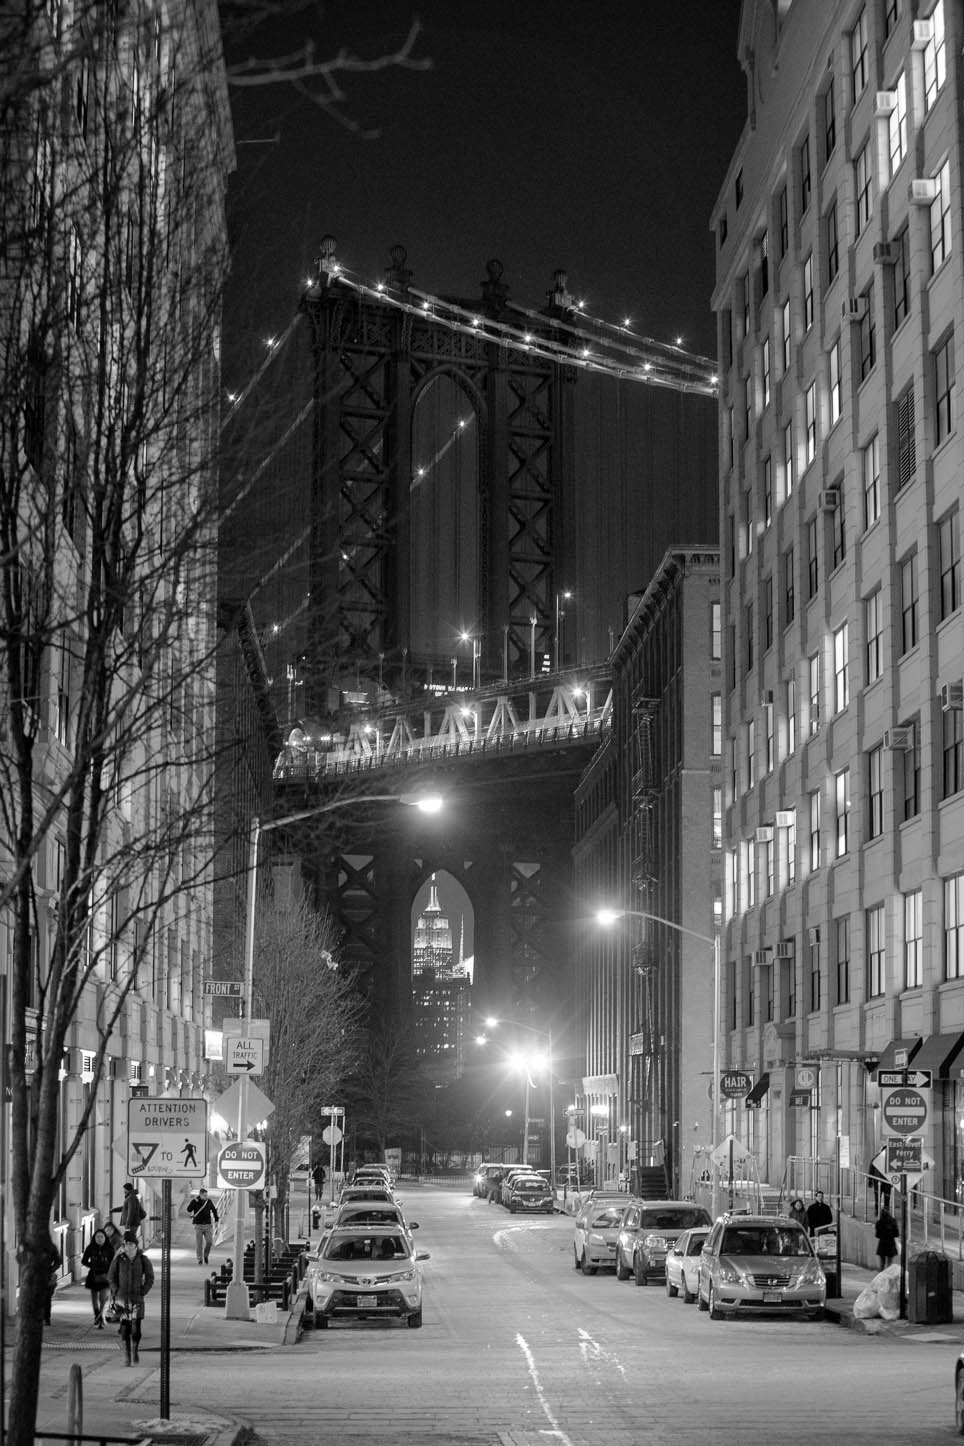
905	1112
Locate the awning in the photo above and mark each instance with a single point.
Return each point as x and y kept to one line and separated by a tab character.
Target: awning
888	1054
938	1053
756	1094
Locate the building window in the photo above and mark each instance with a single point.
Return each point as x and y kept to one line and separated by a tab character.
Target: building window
875	792
716	745
789	599
750	757
767	491
769	873
751	874
731	750
763	259
829	122
909	603
748	636
841	959
791	704
954	927
721	231
910	783
806	181
813	559
906	448
842	800
935	57
792	851
897	126
810	403
767	613
769	725
765	366
940	215
836	385
716	630
863	175
949	550
745	302
808	293
838	528
873	637
814	970
814	830
876	952
901	279
913	941
833	244
783	215
944	388
738	189
858	55
813	673
891	14
867	337
785	335
841	668
952	778
787	461
717	818
870	466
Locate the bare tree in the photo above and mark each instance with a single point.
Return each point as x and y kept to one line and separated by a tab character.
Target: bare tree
389	1097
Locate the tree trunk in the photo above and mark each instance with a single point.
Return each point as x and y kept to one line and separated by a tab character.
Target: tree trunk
25	1386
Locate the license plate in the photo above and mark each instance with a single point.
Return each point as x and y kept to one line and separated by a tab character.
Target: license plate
360	1302
772	1297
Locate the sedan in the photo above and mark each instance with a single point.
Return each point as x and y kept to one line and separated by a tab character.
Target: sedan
597	1226
528	1193
363	1274
758	1263
366	1212
683	1264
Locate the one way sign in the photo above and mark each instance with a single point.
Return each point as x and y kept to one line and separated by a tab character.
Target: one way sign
244	1056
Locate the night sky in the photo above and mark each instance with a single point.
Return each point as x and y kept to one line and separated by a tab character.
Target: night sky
593	137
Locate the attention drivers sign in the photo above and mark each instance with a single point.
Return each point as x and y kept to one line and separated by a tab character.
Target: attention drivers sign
167	1138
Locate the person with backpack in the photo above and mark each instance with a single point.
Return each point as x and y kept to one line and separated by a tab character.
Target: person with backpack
131	1276
205	1214
131	1211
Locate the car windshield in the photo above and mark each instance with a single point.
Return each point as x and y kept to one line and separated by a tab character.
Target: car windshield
765	1240
608	1219
681	1218
366	1247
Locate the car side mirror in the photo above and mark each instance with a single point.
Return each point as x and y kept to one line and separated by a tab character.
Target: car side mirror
413	1225
422	1255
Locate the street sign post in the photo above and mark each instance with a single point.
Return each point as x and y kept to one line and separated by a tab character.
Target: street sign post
167	1138
224	988
242	1165
244	1055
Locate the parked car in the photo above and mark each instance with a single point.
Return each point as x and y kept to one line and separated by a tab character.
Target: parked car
683	1264
369	1174
361	1273
648	1230
372	1213
484	1175
530	1193
759	1263
597	1227
512	1173
372	1193
959	1394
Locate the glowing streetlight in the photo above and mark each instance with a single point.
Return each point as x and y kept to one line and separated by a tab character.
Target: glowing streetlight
540	1062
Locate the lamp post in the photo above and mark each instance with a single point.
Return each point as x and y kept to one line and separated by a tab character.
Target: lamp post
476	657
608	917
237	1297
545	1034
561	597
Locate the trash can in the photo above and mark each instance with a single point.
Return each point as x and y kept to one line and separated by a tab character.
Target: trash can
929	1294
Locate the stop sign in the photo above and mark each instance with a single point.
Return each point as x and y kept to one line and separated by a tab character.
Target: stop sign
331	1135
905	1112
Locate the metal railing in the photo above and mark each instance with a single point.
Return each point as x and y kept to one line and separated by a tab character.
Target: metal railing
931	1220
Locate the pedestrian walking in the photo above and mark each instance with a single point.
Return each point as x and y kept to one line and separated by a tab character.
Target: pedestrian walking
887	1233
319	1176
115	1237
819	1213
130	1210
798	1212
97	1258
131	1276
204	1212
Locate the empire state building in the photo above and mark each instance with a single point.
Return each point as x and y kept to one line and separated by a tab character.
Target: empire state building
440	994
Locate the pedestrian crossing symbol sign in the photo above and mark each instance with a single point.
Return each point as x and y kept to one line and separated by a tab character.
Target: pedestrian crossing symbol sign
167	1139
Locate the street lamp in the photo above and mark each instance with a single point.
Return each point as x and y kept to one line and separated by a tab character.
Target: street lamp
608	917
237	1298
545	1034
561	597
476	657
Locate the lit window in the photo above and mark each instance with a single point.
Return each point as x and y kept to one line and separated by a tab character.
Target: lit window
785	334
811	421
954	927
791	706
842	801
841	668
814	830
935	57
813	669
808	293
897	126
765	361
836	385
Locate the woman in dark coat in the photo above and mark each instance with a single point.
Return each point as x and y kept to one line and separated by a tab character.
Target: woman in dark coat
97	1258
886	1232
131	1276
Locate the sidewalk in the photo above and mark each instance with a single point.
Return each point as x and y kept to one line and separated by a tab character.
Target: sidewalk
71	1337
853	1279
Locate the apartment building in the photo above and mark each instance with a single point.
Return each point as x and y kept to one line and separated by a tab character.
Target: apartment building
648	851
839	298
115	154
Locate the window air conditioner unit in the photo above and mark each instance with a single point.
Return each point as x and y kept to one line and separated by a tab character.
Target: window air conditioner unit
828	500
762	956
786	817
885	253
899	738
922	34
786	949
764	834
854	308
813	935
952	696
923	191
885	101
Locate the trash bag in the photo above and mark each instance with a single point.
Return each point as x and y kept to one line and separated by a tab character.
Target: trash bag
887	1285
866	1304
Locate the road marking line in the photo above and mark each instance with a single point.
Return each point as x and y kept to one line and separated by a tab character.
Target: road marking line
591	1350
543	1401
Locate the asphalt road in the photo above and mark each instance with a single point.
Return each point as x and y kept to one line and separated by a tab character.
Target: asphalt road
518	1349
